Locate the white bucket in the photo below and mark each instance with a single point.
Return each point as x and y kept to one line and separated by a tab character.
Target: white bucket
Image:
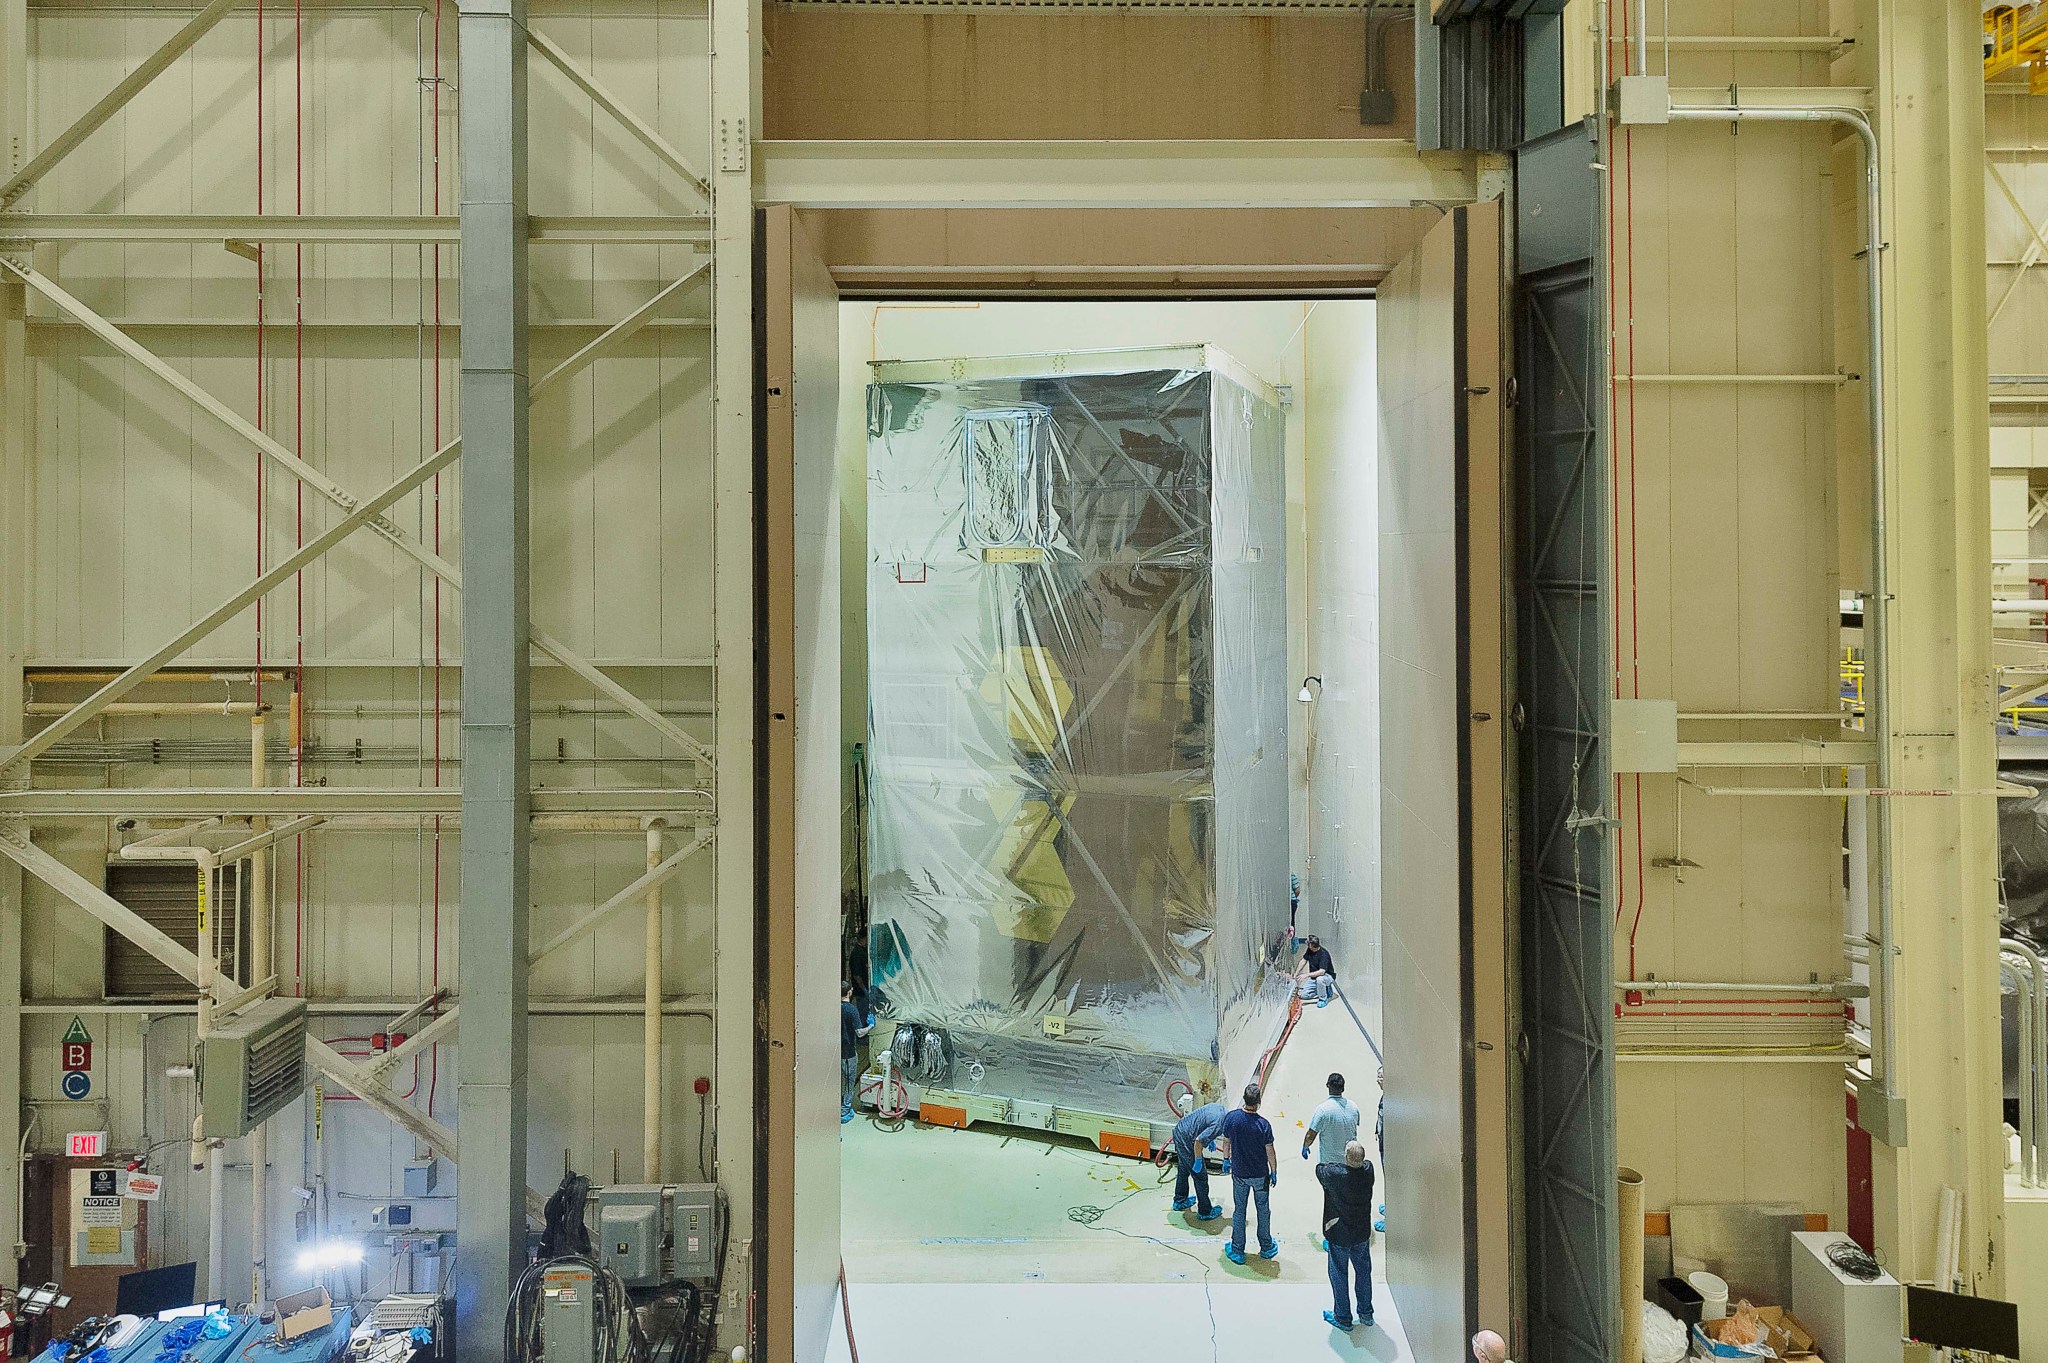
1713	1294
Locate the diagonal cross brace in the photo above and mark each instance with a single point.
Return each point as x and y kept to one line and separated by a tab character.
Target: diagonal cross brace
116	99
610	103
357	514
363	1085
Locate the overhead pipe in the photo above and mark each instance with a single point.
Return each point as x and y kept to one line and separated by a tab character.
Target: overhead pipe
260	967
1654	986
1878	610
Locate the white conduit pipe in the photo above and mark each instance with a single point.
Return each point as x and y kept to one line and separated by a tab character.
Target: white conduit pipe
203	1155
2034	1058
650	1059
258	914
2011	966
1725	987
1878	611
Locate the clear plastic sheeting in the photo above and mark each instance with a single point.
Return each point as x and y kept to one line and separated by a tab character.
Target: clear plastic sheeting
2023	855
1077	727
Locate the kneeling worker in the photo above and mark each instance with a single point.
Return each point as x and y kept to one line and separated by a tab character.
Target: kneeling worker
1196	1129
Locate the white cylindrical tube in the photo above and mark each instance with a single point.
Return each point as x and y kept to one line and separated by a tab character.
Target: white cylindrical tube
1629	1201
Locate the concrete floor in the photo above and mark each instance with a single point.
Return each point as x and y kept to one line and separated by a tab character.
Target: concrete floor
1032	1248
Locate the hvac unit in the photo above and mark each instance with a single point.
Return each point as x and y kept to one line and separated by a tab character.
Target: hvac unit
252	1064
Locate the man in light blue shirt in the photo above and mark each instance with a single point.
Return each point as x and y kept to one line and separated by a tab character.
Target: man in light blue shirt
1334	1123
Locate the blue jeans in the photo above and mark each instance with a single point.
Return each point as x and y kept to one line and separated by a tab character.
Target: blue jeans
849	1075
1256	1189
1348	1262
1183	1174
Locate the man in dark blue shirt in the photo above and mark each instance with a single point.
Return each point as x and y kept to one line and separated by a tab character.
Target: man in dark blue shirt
851	1030
1247	1139
1196	1129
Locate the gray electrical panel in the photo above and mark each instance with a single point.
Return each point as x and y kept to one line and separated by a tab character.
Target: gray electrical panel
568	1315
694	1230
629	1232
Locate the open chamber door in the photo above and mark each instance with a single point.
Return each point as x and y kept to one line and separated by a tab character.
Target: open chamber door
795	1257
1443	814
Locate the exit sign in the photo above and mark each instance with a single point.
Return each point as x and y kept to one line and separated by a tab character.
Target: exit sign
88	1144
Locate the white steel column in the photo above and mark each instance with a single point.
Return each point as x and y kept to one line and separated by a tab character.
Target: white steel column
735	115
491	1093
16	428
1924	58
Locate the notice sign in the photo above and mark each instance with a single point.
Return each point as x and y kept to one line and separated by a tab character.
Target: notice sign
104	1182
100	1212
142	1187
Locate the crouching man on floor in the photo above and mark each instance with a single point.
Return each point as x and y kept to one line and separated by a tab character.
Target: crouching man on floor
1347	1232
1196	1129
1247	1141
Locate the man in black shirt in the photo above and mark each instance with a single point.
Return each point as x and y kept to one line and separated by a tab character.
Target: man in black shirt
1347	1234
851	1029
1318	970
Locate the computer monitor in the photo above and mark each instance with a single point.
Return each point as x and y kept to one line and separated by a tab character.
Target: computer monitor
204	1308
156	1289
1948	1320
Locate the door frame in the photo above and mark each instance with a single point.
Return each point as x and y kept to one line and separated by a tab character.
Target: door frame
1219	271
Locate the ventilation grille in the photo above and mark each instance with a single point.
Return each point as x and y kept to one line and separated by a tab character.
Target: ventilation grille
251	1065
166	896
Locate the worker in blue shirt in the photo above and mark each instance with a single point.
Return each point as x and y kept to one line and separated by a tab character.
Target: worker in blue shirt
1195	1131
851	1029
1247	1140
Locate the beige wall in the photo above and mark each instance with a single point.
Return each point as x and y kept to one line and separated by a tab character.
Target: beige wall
143	512
1339	590
878	73
1726	580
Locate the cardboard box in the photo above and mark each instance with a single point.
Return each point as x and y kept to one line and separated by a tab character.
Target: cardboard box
1785	1337
301	1313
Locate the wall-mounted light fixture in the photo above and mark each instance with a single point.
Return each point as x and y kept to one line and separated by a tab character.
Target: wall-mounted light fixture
1306	696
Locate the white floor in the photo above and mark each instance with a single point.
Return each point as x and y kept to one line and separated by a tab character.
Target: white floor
965	1243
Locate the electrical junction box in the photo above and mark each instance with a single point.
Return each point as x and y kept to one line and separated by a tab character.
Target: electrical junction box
1641	100
1643	735
629	1232
568	1315
421	1178
694	1227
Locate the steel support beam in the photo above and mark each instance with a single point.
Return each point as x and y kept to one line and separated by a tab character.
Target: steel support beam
21	229
111	103
370	513
1336	173
491	1093
330	803
352	1077
17	847
610	103
739	1040
654	875
17	399
1925	57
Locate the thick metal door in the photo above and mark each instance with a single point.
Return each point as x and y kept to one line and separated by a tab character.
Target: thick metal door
1442	798
1563	586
